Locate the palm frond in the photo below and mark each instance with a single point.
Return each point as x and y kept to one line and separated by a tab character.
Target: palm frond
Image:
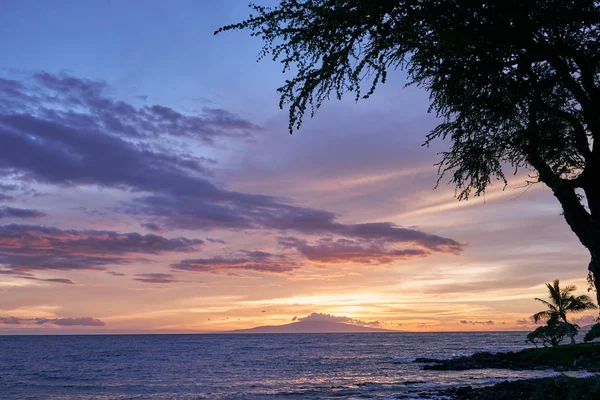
577	304
584	298
566	291
542	315
551	306
561	301
554	292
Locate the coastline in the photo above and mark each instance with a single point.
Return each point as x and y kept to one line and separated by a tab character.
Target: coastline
583	358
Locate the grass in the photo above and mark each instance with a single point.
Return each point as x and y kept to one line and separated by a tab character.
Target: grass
563	355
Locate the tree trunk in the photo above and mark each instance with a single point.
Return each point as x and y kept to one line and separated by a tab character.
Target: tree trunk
592	194
571	332
594	269
585	223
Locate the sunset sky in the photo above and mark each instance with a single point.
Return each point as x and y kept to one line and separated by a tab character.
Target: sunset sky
148	183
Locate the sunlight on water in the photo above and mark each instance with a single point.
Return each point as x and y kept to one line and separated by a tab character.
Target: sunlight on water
299	366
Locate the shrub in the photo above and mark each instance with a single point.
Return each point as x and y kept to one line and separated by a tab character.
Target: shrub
552	333
594	333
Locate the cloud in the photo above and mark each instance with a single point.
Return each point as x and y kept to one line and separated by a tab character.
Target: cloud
7	187
10	212
329	250
152	227
321	317
58	280
488	322
232	210
86	104
249	261
32	247
27	275
113	273
213	240
81	321
10	320
65	131
525	321
155	278
585	320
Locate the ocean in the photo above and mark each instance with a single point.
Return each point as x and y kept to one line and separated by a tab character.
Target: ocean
251	366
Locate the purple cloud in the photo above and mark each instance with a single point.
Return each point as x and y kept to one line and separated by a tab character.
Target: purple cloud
155	278
59	280
10	212
152	227
81	321
86	104
66	131
31	247
250	261
27	275
213	240
585	320
329	250
10	320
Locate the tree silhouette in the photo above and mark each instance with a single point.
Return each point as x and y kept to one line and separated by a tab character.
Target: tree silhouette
515	83
593	333
552	333
561	302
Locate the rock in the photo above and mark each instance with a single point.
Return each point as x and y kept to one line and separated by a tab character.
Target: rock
463	390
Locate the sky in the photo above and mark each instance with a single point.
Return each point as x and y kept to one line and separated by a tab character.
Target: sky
148	184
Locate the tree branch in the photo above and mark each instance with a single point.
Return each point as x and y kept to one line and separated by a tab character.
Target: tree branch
575	213
581	139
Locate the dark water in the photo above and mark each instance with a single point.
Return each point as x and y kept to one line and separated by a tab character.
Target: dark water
261	366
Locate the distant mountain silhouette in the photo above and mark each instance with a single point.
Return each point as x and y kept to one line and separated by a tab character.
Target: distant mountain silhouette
312	327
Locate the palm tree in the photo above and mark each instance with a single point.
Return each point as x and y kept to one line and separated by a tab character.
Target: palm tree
562	301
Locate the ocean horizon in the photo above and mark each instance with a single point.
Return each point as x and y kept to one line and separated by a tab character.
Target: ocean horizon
378	365
107	332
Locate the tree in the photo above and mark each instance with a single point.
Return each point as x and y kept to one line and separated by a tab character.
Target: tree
552	333
593	333
562	302
515	83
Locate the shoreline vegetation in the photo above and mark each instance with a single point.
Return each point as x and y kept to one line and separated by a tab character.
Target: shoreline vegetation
584	357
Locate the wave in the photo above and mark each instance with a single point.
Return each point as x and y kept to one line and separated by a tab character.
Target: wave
404	360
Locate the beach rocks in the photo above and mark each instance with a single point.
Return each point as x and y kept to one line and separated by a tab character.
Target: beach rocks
481	360
559	388
560	358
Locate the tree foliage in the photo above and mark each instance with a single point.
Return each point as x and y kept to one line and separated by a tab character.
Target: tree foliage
515	83
552	333
560	303
593	333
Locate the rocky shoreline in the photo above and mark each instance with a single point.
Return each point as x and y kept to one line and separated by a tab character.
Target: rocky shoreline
585	356
580	357
558	388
